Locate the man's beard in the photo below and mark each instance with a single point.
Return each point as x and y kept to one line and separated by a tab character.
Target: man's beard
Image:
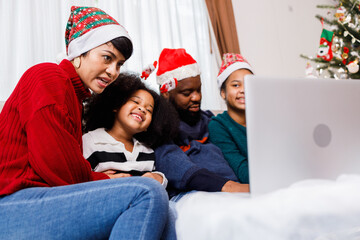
191	118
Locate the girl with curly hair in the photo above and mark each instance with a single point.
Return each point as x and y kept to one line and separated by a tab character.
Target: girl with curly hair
124	124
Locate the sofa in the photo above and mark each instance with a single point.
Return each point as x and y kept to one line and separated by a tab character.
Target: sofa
311	209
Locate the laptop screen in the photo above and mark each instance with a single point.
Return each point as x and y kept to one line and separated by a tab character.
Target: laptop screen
301	129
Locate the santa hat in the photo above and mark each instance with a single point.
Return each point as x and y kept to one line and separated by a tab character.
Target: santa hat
175	64
231	62
90	27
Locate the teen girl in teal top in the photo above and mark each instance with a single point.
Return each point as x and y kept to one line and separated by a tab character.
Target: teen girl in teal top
228	130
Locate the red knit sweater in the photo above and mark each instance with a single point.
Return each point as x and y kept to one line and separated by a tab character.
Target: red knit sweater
40	131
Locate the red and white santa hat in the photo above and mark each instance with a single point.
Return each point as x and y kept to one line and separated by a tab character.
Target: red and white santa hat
231	62
90	27
175	65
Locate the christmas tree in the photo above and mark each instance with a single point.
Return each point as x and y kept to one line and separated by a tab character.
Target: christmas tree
339	50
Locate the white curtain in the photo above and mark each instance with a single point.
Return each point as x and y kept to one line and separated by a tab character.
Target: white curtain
33	32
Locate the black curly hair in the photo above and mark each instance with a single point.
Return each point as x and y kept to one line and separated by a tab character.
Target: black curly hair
99	111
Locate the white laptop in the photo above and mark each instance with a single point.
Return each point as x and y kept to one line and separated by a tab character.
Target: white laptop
301	129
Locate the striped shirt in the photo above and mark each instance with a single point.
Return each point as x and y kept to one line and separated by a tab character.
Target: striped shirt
105	153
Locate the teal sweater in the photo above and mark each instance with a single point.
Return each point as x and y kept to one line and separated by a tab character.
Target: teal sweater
230	137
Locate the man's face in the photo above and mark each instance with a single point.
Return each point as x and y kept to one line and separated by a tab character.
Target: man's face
186	97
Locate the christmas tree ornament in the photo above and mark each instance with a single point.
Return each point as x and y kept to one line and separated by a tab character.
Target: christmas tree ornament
148	70
342	73
345	55
336	76
340	13
324	74
325	51
341	40
353	66
347	19
335	47
168	85
356	22
319	70
355	54
309	71
344	76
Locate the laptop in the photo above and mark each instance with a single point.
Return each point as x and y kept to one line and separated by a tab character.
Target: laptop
300	129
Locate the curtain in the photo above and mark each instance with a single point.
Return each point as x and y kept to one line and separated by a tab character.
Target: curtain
33	32
222	18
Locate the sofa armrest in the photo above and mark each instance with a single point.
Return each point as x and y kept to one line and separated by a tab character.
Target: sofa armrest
216	112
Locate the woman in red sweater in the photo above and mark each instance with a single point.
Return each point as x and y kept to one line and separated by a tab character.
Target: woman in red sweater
47	188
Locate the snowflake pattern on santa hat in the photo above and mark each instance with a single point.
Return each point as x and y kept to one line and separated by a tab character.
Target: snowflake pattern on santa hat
231	62
89	27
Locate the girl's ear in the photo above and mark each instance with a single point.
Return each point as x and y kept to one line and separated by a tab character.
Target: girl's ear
222	93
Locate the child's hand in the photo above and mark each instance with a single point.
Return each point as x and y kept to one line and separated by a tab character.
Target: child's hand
112	174
155	176
231	186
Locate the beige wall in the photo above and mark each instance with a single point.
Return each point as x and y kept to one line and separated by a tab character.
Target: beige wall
272	34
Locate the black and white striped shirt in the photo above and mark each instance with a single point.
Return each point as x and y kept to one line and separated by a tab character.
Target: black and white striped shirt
104	153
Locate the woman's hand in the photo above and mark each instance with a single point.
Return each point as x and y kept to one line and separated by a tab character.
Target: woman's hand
231	186
155	176
112	174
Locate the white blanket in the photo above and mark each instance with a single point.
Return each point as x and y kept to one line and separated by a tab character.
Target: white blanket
311	209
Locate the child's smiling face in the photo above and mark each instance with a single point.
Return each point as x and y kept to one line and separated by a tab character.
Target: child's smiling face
233	93
136	114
